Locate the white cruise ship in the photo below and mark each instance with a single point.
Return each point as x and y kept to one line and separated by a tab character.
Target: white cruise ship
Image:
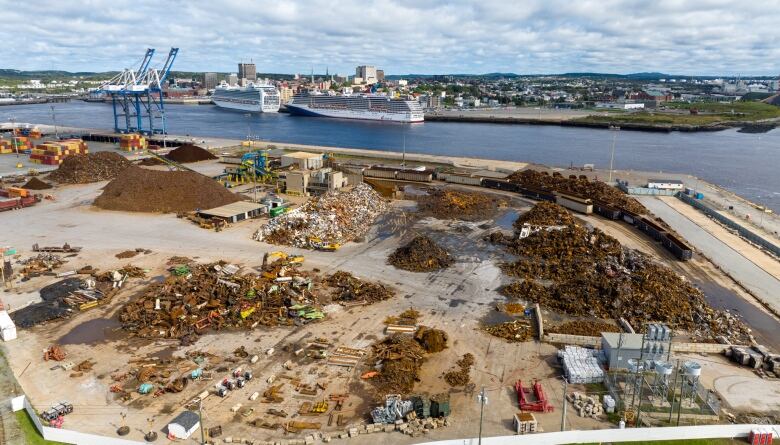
252	98
356	106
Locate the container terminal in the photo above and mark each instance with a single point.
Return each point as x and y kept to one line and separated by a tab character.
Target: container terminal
230	291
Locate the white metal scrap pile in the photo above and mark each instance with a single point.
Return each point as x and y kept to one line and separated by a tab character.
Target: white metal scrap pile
580	366
335	217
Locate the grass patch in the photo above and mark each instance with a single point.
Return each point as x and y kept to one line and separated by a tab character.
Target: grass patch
31	435
709	113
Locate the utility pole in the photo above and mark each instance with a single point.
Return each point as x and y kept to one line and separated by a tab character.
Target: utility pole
612	156
482	397
200	419
674	391
563	411
679	405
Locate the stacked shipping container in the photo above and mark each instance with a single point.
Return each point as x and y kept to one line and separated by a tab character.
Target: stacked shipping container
132	142
54	152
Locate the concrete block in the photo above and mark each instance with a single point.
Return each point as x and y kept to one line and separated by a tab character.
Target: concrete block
389	428
308	440
326	438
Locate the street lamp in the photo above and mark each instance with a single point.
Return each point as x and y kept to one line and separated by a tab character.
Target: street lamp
483	400
54	120
615	129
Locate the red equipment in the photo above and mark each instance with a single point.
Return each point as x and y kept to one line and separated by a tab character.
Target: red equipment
532	399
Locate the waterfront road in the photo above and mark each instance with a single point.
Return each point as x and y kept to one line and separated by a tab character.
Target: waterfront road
761	283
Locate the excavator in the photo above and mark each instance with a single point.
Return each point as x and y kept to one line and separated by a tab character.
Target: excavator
318	244
270	257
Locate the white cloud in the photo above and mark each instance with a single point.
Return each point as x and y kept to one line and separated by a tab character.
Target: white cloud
402	36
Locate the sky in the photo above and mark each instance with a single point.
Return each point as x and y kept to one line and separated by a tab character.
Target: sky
703	37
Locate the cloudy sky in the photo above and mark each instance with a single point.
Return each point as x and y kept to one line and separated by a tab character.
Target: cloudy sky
708	37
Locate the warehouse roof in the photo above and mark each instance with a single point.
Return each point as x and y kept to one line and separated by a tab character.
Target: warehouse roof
630	341
236	208
664	181
302	155
186	419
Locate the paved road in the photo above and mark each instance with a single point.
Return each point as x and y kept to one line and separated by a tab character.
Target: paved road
763	285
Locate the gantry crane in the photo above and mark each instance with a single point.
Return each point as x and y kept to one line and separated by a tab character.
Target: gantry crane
137	98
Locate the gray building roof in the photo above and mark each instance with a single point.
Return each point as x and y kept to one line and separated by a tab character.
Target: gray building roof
187	419
630	341
664	181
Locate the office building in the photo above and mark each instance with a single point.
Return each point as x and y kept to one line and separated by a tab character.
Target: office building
380	75
247	71
367	73
209	81
232	79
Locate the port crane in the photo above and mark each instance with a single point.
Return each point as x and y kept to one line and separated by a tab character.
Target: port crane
137	98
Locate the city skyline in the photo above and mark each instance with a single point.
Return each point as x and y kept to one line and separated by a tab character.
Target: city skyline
675	37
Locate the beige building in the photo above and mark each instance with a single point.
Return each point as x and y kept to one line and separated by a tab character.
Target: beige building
311	182
285	94
303	160
367	73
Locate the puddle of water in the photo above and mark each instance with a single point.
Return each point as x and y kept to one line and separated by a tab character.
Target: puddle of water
506	219
765	327
92	331
455	302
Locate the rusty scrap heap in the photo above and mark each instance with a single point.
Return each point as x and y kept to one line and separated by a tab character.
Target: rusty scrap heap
336	217
421	254
591	274
353	289
545	214
459	375
199	297
401	358
590	328
536	180
515	331
454	204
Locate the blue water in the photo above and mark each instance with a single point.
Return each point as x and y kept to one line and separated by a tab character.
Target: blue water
746	164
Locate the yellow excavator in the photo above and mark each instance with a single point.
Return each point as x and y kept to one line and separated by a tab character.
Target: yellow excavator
319	244
270	257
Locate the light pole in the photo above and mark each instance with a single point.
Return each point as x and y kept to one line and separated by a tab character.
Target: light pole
482	399
612	156
563	411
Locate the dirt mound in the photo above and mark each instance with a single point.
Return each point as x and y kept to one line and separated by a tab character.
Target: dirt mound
353	289
150	161
92	167
421	254
141	190
454	204
36	184
433	340
189	153
591	328
545	214
582	187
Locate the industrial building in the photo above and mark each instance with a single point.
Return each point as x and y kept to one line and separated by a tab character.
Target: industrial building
621	347
235	212
311	182
665	184
303	160
184	425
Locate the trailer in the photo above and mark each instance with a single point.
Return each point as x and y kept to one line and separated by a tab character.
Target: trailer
10	204
681	250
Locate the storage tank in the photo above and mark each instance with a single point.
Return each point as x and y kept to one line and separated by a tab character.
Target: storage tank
692	370
634	365
663	368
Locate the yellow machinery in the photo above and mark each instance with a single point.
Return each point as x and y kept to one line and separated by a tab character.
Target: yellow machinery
270	257
319	244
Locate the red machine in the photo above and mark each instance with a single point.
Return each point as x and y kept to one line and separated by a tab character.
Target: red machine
532	399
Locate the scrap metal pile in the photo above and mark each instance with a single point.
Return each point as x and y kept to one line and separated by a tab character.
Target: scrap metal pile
432	340
350	289
590	328
536	180
189	153
92	167
587	272
401	358
545	214
336	217
421	254
459	375
138	189
36	184
40	264
515	331
196	298
454	204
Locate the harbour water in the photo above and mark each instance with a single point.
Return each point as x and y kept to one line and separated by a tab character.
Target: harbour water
746	164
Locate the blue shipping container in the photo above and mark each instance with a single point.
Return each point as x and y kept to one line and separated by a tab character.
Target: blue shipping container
699	196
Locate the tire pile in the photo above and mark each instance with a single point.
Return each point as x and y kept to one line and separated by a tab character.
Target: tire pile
335	217
588	273
421	254
141	190
454	204
582	187
92	167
